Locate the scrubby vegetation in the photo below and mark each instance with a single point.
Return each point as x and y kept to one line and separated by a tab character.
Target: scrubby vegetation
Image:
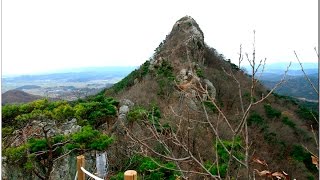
309	116
224	159
37	152
129	80
165	78
150	168
91	111
271	112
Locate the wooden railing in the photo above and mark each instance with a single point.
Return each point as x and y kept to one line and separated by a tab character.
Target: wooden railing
81	172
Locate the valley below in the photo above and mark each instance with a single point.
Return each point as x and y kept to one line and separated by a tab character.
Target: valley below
66	85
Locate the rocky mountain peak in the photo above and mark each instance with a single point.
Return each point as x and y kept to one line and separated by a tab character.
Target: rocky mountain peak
188	28
182	54
183	48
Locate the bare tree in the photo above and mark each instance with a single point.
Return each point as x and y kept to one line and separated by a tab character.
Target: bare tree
177	141
315	158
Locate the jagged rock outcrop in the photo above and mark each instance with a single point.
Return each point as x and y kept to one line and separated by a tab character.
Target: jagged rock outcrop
184	45
184	49
64	168
183	52
212	90
125	106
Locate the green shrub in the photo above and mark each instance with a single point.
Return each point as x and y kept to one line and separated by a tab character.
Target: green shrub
144	69
40	104
9	112
148	168
270	137
288	122
256	119
224	156
210	105
25	108
63	113
213	169
309	116
101	142
6	131
136	114
88	138
37	114
16	154
128	81
271	112
300	154
37	145
119	176
165	79
200	73
96	110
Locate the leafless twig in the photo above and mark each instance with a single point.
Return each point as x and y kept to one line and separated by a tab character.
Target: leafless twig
305	75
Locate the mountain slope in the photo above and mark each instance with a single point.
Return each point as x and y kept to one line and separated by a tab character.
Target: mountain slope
197	92
296	86
18	96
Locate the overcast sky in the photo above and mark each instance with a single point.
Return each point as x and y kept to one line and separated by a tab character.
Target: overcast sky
42	36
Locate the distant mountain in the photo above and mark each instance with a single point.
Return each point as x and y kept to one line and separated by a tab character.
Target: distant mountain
28	87
294	69
17	96
293	66
295	86
78	75
93	77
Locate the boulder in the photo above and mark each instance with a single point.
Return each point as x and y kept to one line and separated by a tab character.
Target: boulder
124	109
126	102
211	89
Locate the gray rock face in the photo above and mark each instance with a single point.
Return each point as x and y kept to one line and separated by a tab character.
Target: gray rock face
66	167
126	102
192	105
125	105
70	127
124	109
136	81
188	26
211	88
101	164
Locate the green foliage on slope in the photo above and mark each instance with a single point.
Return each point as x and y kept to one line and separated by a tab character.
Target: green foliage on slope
128	81
271	112
165	78
224	156
93	111
150	168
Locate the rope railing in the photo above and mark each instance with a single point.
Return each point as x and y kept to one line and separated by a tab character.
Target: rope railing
89	174
81	172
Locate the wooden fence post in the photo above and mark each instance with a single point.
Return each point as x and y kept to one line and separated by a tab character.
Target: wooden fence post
80	163
130	175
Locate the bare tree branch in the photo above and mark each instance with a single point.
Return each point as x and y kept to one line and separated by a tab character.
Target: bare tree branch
305	75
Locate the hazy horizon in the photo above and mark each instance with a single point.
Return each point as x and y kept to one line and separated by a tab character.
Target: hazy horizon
282	65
